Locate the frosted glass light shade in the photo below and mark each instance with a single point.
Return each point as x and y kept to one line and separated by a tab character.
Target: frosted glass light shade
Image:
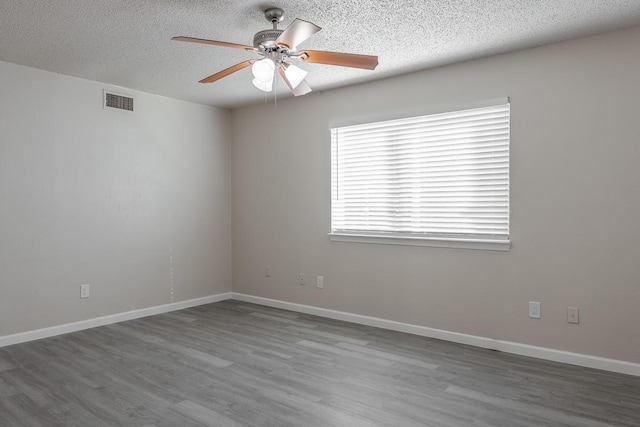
263	86
295	75
263	70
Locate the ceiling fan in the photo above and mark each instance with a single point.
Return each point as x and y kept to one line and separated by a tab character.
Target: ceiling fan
278	48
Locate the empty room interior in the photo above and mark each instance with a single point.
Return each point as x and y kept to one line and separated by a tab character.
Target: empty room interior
418	213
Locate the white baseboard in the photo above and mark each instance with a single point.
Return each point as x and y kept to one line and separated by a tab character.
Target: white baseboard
578	359
107	320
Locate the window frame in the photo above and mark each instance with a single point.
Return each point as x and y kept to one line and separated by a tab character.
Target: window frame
462	242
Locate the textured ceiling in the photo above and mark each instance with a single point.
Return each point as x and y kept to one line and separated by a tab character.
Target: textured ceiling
128	42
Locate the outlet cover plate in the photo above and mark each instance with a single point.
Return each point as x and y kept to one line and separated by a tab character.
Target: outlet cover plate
84	291
534	309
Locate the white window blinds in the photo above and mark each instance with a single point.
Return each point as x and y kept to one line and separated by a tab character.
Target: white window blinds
443	176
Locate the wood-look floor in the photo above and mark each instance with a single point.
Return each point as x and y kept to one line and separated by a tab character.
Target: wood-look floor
238	364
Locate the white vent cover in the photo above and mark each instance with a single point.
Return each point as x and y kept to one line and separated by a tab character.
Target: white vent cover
117	101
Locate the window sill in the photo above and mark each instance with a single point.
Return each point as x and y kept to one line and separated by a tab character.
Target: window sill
487	245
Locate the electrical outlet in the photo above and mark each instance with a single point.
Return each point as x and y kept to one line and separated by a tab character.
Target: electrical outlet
302	278
84	291
320	282
267	271
573	315
534	309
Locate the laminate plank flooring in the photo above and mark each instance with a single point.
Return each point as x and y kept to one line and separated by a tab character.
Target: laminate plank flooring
238	364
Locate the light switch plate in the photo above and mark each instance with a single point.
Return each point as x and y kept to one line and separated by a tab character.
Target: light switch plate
573	315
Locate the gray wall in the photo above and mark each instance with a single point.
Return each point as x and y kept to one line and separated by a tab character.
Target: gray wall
103	197
575	203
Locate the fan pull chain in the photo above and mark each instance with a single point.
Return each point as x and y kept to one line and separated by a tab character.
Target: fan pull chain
275	89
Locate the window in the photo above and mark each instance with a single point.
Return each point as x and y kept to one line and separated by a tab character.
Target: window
435	180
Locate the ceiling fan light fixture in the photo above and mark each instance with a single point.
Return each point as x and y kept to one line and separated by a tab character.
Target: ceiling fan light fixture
295	75
263	70
277	47
263	86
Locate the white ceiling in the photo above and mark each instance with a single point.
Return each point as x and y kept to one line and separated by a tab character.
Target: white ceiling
128	42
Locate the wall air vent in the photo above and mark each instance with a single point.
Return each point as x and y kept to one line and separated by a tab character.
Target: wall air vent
117	101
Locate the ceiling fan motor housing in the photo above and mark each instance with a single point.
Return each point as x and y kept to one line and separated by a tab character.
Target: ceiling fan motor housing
266	38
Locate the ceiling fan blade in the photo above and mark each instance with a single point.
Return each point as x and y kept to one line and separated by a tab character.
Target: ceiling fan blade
297	32
368	62
302	88
224	73
213	42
